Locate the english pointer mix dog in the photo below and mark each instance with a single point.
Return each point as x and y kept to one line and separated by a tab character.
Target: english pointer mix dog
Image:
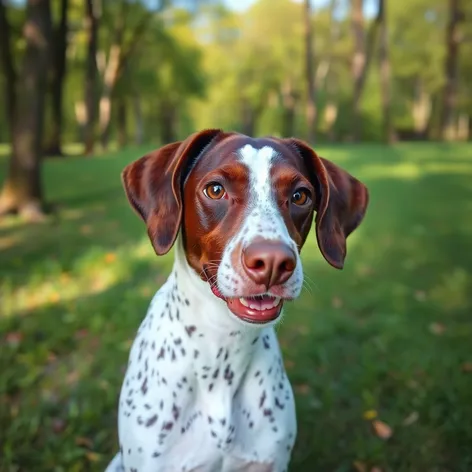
205	389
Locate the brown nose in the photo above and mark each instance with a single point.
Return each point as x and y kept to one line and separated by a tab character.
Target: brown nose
269	262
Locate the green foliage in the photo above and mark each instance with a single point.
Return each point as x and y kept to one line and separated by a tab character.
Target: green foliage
387	336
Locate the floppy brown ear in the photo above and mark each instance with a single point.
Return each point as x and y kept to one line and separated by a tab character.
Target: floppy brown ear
153	186
341	205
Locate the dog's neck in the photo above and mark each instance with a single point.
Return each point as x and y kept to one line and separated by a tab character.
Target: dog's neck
205	309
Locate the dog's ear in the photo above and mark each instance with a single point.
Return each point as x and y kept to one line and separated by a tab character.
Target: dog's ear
340	207
153	185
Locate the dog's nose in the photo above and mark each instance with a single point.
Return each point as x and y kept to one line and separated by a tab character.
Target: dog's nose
269	262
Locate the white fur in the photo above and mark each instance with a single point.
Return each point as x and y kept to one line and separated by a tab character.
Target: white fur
263	220
177	390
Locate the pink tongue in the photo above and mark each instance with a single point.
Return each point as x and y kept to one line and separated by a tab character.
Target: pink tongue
263	304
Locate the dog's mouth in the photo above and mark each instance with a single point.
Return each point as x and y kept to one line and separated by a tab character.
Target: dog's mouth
257	309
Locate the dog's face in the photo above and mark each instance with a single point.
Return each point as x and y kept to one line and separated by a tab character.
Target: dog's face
245	207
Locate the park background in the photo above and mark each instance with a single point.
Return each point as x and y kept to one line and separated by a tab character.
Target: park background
379	354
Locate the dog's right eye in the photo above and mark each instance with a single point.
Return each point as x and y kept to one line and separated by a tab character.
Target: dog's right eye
214	191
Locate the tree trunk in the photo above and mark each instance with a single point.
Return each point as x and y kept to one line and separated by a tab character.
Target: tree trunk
122	122
138	120
363	48
289	102
385	75
421	109
310	81
167	118
249	118
90	78
451	73
8	66
117	60
462	133
109	80
59	64
22	190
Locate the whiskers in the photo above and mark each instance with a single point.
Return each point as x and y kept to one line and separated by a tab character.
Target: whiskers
309	284
212	280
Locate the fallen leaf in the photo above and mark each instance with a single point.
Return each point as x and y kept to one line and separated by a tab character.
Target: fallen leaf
110	257
58	425
381	429
376	469
14	338
437	328
81	333
86	229
411	418
370	414
84	442
302	389
467	367
420	295
92	456
289	364
359	466
73	377
337	302
54	297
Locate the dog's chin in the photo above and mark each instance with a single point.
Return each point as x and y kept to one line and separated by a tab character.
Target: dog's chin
257	310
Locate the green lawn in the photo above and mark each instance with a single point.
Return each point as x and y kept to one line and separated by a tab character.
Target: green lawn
389	338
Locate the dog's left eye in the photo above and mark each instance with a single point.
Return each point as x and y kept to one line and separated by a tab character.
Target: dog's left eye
300	197
214	191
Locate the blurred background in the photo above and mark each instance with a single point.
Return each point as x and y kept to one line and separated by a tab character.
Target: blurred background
379	354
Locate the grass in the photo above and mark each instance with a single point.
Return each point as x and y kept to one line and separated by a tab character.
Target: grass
386	339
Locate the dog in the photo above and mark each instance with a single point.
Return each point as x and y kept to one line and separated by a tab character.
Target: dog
205	388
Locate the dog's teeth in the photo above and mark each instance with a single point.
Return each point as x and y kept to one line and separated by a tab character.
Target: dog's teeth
276	301
244	302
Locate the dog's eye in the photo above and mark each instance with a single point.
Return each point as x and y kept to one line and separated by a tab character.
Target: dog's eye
214	191
300	197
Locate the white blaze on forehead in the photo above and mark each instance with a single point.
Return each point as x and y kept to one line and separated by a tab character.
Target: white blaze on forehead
259	162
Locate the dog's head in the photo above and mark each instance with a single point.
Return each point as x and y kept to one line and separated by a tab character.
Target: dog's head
245	207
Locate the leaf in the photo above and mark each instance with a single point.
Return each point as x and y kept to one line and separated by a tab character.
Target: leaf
58	425
411	418
337	302
110	257
467	367
54	297
302	389
14	338
86	229
420	295
437	328
370	414
381	429
84	442
359	466
93	456
289	364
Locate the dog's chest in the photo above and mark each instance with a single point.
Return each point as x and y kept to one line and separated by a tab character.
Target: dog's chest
204	400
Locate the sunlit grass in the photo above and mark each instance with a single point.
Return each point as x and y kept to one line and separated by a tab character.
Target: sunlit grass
387	338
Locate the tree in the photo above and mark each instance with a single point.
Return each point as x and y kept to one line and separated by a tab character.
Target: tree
310	81
22	190
385	75
91	75
8	65
449	96
363	49
58	67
